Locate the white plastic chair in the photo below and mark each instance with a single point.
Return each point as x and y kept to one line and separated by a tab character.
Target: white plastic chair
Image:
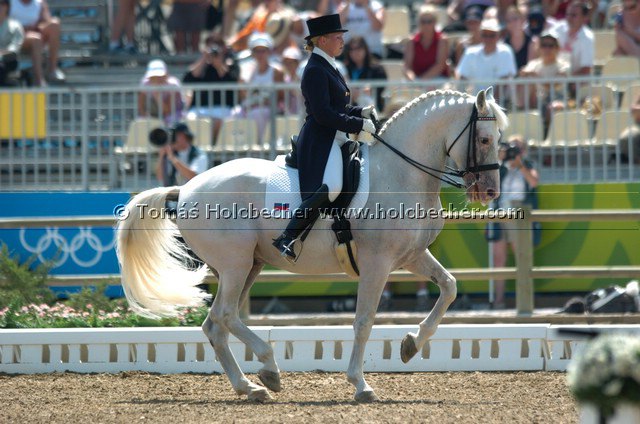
202	129
138	135
237	135
397	25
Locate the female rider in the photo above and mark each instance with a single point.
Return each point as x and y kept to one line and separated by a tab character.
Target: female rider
329	118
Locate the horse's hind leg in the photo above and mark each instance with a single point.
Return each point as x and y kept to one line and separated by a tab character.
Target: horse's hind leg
221	319
428	266
269	374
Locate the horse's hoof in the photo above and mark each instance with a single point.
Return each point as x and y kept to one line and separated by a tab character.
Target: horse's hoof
270	379
408	348
259	394
366	396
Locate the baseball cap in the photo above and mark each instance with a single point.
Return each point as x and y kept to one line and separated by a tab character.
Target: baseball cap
260	39
156	68
292	53
490	25
183	128
473	13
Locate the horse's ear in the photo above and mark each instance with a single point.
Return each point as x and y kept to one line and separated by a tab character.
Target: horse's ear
481	102
489	94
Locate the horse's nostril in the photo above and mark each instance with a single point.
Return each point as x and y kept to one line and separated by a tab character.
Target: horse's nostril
491	193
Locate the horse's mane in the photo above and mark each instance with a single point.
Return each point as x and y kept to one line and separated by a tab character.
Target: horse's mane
501	117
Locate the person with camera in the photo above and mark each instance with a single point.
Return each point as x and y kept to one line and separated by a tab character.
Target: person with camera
11	39
216	65
179	160
518	182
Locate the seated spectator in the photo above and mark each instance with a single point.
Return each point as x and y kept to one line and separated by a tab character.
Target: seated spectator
364	18
291	58
256	23
473	17
11	38
425	54
362	66
215	65
537	21
459	10
523	45
256	103
547	96
627	29
489	61
40	30
186	22
576	39
166	105
124	24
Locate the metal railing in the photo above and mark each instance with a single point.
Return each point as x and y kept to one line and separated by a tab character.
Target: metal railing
524	272
80	139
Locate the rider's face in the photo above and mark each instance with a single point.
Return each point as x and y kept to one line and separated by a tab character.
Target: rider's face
333	44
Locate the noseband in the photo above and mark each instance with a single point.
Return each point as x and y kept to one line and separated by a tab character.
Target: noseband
472	166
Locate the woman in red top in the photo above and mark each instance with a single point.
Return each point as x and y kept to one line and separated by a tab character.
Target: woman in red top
425	55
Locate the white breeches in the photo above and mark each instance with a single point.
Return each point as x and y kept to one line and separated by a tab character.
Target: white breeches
333	169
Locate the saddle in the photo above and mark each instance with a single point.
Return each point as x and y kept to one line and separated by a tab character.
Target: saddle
351	163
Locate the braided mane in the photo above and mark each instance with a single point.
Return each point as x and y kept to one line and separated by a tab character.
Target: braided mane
497	110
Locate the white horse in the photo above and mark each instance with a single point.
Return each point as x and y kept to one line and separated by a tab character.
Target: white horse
426	130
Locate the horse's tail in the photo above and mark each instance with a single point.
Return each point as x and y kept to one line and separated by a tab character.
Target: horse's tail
152	260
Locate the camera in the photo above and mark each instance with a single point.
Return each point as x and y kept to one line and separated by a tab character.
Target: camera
512	151
160	136
214	51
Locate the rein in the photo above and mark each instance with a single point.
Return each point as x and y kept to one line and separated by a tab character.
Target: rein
450	172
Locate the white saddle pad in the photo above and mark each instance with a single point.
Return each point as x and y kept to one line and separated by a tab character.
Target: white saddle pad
283	187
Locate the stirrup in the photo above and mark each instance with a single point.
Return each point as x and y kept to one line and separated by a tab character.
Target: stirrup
285	248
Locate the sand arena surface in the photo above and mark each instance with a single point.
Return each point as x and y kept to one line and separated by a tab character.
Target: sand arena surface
461	397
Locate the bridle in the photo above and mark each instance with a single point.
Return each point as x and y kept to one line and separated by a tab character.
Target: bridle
472	166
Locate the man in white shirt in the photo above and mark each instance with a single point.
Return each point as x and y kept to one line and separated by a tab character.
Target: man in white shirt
489	61
576	40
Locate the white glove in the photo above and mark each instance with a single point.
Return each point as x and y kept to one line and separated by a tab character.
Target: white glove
370	112
367	126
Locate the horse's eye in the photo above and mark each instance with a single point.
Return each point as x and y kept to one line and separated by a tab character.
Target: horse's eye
484	140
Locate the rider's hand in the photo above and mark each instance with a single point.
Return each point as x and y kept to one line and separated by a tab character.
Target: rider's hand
367	126
370	112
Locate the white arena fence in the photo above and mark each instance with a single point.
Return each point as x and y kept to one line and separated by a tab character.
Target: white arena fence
497	347
76	138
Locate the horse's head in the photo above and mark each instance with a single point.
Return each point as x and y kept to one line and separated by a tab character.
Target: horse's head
475	149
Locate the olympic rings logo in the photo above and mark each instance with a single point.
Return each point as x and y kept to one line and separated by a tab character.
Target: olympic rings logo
52	238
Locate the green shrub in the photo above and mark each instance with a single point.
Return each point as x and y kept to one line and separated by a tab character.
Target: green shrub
22	283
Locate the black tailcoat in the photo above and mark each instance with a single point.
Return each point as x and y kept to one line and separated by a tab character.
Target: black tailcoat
326	98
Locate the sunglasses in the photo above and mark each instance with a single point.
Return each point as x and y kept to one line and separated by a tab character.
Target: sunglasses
427	21
548	45
488	35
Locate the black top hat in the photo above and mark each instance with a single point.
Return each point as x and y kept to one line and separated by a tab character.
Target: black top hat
324	25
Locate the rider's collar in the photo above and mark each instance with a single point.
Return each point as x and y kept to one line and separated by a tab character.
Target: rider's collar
322	53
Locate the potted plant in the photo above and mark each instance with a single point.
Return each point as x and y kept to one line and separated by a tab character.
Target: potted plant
605	379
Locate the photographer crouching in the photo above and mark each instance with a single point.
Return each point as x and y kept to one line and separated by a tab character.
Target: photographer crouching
518	182
179	160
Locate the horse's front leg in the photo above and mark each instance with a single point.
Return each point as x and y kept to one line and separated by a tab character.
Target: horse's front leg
372	282
425	265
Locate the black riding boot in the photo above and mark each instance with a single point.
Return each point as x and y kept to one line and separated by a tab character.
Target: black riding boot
302	218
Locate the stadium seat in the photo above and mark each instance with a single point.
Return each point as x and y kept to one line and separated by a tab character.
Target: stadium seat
620	66
527	124
610	126
630	95
567	128
138	135
605	44
393	68
286	126
397	25
237	135
202	128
